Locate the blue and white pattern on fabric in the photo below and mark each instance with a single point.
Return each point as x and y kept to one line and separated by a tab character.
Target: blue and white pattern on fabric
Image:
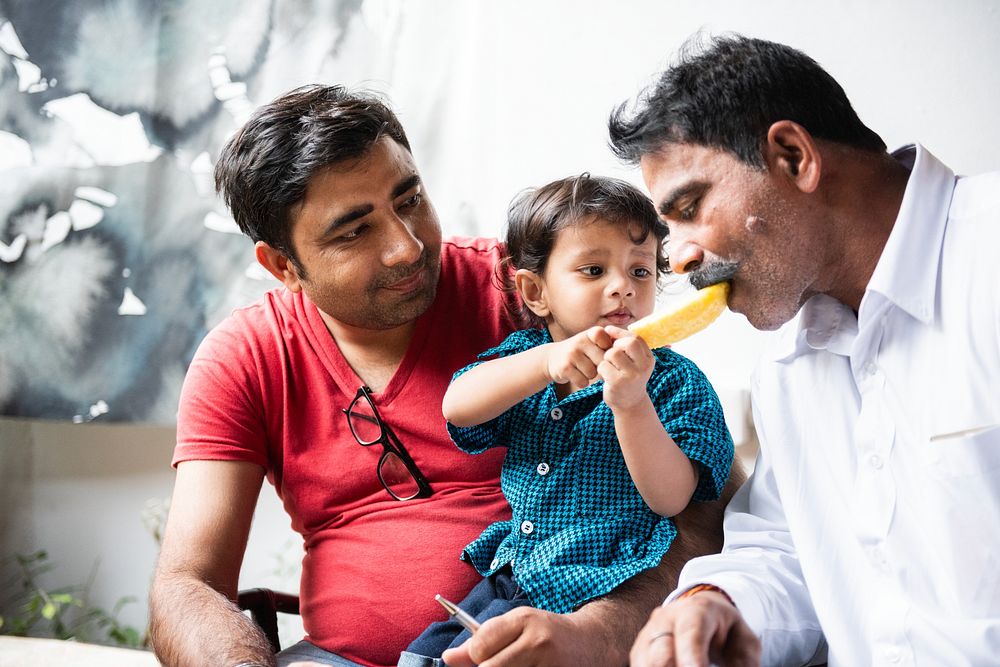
579	526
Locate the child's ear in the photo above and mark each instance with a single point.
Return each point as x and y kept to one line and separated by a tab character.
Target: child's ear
531	288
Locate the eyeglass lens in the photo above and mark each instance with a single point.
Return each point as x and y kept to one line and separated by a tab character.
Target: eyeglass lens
396	476
364	423
393	473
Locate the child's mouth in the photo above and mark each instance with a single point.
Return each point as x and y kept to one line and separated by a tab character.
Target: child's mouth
619	317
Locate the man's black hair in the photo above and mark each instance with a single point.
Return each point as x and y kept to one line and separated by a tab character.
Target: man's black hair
264	169
727	93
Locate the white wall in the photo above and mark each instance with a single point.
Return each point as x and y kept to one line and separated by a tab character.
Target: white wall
79	492
534	83
531	85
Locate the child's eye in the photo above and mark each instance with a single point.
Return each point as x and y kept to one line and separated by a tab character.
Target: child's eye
592	271
642	272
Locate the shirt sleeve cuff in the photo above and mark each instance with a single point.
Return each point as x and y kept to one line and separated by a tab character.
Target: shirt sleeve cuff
746	601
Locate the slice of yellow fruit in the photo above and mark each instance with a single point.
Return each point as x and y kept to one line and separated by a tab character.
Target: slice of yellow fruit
690	317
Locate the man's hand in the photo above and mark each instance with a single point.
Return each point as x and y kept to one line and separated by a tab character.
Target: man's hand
626	368
693	631
575	359
524	637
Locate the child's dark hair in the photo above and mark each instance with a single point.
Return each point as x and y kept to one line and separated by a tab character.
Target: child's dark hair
537	215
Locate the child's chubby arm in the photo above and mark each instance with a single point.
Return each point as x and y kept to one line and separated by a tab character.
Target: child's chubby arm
493	387
665	477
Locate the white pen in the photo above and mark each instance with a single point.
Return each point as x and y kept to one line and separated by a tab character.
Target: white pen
459	615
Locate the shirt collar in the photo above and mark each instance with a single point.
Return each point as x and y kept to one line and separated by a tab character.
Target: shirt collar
906	273
823	323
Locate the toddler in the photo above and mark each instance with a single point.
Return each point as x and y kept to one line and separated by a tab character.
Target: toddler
606	438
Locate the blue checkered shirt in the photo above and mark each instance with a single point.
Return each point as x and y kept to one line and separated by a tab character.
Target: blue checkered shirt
579	526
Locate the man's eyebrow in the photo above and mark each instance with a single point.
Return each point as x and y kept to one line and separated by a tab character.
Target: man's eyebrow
406	184
361	211
685	190
347	218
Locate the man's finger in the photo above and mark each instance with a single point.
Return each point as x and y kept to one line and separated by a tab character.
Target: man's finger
490	639
517	653
742	648
458	656
659	650
693	635
654	645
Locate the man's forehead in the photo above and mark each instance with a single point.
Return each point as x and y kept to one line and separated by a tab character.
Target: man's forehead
374	173
675	167
384	154
679	158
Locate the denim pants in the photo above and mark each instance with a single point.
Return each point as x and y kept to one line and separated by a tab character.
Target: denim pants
304	651
493	596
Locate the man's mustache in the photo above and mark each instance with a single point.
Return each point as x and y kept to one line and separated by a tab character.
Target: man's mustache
709	274
398	273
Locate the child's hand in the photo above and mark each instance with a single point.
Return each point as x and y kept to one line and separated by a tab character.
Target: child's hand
625	369
575	359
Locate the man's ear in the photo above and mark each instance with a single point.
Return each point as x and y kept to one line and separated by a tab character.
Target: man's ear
531	289
278	265
792	151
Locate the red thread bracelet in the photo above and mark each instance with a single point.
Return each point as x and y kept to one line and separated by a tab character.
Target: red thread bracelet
694	590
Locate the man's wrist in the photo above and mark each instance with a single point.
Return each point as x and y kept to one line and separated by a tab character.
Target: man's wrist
602	633
705	588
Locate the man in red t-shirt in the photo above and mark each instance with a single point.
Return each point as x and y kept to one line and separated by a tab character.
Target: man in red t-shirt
357	348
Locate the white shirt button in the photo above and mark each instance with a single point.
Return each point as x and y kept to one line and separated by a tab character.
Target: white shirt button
893	654
495	563
871	369
543	469
556	414
876	461
527	527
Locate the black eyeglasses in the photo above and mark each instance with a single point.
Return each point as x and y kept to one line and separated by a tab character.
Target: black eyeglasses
396	469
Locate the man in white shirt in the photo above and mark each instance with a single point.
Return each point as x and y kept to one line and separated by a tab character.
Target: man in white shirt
869	532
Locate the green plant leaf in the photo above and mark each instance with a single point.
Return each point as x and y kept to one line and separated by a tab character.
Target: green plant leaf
49	610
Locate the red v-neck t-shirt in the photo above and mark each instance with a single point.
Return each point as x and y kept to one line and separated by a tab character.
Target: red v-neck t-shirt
268	386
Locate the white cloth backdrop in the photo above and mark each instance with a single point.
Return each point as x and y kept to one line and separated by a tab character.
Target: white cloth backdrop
106	292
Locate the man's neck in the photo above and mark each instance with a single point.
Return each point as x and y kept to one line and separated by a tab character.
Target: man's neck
374	354
866	196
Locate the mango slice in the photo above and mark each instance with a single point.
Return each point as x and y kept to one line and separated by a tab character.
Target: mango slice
668	327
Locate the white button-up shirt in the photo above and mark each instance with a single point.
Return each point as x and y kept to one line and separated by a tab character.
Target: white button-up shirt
870	527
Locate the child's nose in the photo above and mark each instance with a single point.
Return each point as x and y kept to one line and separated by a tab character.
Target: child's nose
620	286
